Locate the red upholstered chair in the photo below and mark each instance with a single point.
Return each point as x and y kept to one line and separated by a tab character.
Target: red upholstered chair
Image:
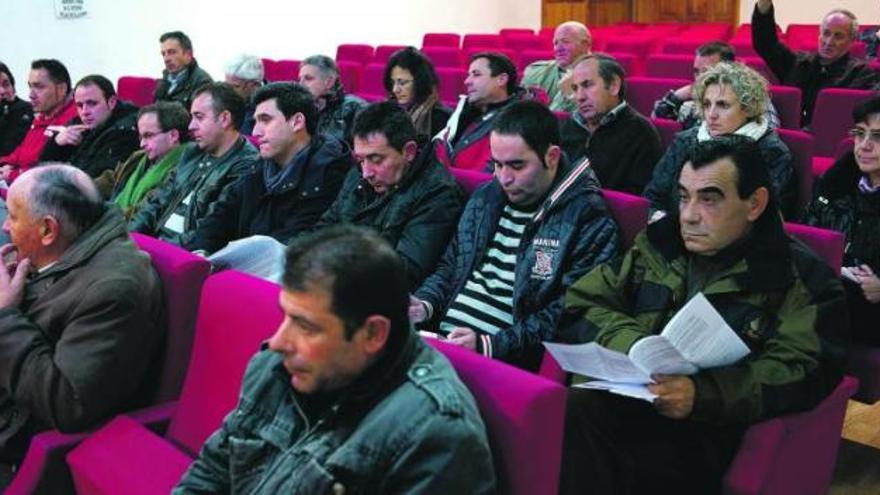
667	130
671	66
630	213
182	274
237	313
467	53
351	74
138	90
801	145
470	180
832	116
482	41
516	31
800	31
372	84
281	70
642	92
522	42
443	56
526	57
639	46
384	52
524	416
449	40
682	46
821	164
359	53
743	47
451	84
761	67
828	244
628	61
787	100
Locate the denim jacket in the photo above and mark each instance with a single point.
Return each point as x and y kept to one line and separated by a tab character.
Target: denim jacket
413	429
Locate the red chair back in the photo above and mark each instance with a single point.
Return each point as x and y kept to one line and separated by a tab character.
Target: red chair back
138	90
671	66
630	213
642	92
449	40
828	244
443	56
384	52
801	146
667	130
359	53
832	116
482	41
787	100
351	74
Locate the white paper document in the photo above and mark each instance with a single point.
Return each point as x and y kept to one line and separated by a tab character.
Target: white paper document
696	337
258	255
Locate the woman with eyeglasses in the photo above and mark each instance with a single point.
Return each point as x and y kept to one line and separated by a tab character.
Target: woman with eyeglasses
732	99
847	199
411	81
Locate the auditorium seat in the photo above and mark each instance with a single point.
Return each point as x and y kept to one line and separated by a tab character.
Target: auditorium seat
359	53
482	41
451	84
183	274
281	70
627	61
237	313
682	46
642	92
449	40
467	53
351	74
442	56
743	48
787	101
630	212
384	52
667	130
138	90
832	116
671	66
522	42
758	64
524	416
639	46
372	84
801	145
526	57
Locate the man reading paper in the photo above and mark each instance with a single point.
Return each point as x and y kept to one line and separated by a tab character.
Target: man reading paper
727	241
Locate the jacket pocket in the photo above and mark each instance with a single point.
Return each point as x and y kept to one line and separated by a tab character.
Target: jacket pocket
247	462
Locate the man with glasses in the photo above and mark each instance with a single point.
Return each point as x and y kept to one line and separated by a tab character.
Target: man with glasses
162	128
336	108
847	199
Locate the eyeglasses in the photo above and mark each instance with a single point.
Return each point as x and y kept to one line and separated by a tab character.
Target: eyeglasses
859	135
401	82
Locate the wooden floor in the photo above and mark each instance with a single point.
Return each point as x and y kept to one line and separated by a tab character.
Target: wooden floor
858	463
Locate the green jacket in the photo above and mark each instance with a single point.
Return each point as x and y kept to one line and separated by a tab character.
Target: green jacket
406	425
779	297
547	74
113	181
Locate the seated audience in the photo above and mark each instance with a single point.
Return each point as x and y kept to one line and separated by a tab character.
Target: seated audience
182	75
522	239
847	199
830	67
245	74
622	145
726	240
398	189
16	114
732	99
678	104
81	313
411	81
162	127
571	41
50	89
102	134
491	87
296	180
391	414
219	156
336	109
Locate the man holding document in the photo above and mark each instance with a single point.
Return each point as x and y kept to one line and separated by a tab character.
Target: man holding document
718	320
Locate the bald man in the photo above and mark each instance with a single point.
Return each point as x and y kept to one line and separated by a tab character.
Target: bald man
570	40
81	311
831	66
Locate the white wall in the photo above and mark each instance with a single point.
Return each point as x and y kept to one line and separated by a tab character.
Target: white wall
812	11
120	37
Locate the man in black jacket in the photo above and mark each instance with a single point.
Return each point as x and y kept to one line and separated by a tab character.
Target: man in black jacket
16	114
398	190
182	75
103	133
622	145
830	67
295	182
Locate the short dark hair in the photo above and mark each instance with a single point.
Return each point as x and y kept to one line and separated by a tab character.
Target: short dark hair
425	81
59	191
291	98
608	68
360	271
744	152
181	38
865	109
499	63
5	70
56	70
724	50
533	122
101	82
388	119
171	115
224	98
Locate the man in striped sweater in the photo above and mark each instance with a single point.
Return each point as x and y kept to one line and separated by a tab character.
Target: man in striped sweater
522	239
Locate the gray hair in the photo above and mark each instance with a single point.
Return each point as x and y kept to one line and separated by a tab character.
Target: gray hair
67	194
325	64
749	87
853	21
246	67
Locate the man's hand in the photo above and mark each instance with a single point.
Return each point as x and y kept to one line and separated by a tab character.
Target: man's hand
5	172
869	282
764	6
463	337
684	93
71	135
675	395
12	278
417	311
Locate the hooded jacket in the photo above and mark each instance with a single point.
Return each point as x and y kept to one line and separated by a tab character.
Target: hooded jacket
571	233
83	344
278	202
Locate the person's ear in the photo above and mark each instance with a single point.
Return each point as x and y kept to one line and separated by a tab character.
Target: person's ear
410	150
49	230
111	102
758	203
377	328
174	134
614	87
552	156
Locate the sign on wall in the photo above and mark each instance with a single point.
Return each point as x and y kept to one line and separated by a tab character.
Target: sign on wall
70	9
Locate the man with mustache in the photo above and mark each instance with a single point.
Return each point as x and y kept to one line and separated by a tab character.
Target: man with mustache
726	241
